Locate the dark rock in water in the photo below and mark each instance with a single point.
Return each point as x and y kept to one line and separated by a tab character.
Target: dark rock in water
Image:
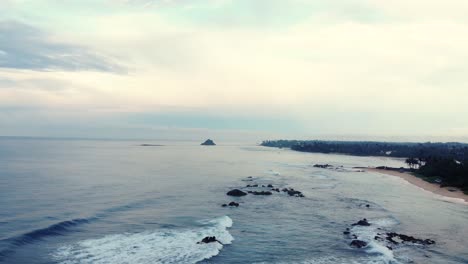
347	232
276	190
396	238
323	166
367	205
224	205
358	243
209	239
255	185
292	192
236	192
295	193
261	193
208	142
234	204
362	222
270	186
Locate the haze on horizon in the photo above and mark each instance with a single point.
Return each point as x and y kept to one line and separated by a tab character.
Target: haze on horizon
180	68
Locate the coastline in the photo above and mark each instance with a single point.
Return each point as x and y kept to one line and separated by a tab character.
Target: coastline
431	187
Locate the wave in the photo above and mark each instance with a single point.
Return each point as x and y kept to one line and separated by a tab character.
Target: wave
171	246
368	233
57	229
334	260
274	173
375	253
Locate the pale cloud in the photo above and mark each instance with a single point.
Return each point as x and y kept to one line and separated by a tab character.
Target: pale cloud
418	11
26	47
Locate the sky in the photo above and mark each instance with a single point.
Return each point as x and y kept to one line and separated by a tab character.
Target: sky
224	68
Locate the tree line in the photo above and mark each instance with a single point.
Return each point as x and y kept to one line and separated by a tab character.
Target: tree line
446	163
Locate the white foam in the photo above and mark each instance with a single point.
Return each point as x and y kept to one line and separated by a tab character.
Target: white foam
367	234
452	200
173	246
274	173
335	260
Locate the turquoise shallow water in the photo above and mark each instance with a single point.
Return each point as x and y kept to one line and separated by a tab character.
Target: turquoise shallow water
77	201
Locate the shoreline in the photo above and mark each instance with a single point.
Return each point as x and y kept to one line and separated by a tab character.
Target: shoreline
431	187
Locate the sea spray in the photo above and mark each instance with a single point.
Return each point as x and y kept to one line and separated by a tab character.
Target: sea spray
170	246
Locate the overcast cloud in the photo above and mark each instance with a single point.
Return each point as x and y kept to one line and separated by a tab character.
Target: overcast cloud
357	67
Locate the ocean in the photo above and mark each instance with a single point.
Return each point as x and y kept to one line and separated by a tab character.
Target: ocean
102	201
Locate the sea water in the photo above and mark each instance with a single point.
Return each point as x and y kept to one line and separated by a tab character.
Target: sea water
101	201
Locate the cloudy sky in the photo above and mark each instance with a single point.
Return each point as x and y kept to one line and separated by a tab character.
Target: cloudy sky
190	68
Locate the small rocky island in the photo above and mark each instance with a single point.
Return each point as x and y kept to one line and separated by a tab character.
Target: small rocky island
208	142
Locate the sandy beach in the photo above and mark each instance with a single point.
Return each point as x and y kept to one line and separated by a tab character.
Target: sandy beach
449	192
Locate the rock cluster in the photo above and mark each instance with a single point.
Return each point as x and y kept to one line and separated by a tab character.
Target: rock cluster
396	239
260	192
232	204
292	192
323	166
389	239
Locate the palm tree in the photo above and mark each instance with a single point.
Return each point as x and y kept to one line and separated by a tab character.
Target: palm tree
412	163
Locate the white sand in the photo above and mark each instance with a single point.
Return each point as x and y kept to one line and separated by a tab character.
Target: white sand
431	187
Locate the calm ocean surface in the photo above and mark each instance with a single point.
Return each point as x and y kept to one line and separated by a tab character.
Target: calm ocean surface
78	201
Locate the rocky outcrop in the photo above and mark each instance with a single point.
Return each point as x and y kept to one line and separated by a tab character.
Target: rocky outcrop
389	239
236	192
292	192
231	204
208	142
362	222
260	192
358	243
209	239
323	166
396	239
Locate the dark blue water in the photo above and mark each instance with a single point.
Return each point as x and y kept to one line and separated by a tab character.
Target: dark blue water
76	201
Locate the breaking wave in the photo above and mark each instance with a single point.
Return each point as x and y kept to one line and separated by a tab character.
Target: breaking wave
367	234
170	246
58	229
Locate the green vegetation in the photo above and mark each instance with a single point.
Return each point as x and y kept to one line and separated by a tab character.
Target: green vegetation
443	163
444	170
457	151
